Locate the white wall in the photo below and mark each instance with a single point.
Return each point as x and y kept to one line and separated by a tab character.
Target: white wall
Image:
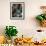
32	8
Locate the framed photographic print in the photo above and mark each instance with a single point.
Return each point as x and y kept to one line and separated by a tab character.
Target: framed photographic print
17	10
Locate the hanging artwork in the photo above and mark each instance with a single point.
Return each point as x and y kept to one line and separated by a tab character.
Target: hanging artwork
17	10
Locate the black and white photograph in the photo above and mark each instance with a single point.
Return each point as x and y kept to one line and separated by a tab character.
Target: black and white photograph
17	10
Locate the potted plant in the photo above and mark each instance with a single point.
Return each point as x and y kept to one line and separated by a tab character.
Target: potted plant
10	31
42	17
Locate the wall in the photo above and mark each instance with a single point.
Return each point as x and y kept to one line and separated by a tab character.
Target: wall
27	26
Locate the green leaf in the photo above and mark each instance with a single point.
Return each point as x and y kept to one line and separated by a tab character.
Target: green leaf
45	17
40	18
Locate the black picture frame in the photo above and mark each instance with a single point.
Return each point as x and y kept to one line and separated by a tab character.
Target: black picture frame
17	10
